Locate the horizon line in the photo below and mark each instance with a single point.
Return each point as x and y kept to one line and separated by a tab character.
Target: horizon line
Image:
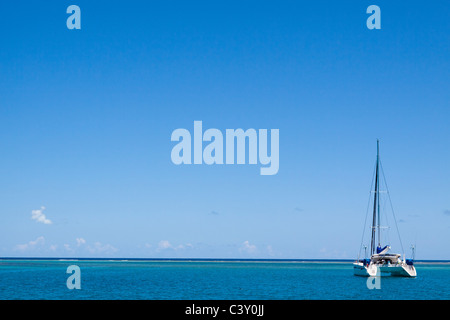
202	259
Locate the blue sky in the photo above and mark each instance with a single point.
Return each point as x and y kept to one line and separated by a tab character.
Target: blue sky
86	118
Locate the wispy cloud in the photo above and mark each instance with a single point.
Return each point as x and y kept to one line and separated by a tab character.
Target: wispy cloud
31	244
165	245
39	216
82	246
100	248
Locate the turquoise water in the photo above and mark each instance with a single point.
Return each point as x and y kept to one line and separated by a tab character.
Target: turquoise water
219	280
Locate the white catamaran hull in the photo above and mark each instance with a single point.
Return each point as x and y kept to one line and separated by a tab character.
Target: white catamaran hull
382	263
375	270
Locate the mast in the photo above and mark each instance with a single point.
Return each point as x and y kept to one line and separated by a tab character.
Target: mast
378	198
376	202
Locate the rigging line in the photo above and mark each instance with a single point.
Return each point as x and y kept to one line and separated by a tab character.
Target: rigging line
386	217
414	250
392	208
367	213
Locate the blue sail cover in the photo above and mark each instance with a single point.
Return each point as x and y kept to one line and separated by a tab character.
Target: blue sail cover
380	249
409	262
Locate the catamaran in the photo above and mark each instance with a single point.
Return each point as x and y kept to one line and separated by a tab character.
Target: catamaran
382	263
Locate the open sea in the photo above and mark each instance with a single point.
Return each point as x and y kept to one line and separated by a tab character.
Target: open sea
34	279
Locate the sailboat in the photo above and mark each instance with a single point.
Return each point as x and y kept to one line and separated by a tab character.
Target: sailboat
381	262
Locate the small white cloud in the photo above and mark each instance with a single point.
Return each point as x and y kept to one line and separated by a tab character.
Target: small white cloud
247	247
39	216
164	244
270	250
80	241
31	244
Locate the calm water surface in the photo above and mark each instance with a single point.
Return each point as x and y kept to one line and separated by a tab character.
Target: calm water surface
222	280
